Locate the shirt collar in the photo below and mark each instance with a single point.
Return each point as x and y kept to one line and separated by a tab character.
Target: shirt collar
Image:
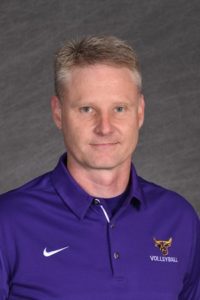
79	200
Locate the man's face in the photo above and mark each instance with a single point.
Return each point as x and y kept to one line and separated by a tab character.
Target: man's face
100	116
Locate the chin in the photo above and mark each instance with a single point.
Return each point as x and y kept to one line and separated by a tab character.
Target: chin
102	164
102	167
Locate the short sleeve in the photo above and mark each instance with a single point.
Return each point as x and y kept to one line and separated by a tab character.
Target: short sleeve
191	289
3	279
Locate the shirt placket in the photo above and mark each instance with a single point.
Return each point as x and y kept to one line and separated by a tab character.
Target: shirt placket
115	254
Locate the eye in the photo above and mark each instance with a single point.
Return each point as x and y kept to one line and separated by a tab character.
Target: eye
86	109
119	109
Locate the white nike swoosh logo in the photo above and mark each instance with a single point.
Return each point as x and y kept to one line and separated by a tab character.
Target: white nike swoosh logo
50	253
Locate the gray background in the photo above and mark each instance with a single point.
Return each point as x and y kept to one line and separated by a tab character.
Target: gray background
166	36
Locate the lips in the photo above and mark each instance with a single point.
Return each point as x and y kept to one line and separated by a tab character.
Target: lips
104	144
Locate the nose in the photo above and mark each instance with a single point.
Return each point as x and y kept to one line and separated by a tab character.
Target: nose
104	124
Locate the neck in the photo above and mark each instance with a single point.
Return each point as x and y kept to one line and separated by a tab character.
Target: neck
101	183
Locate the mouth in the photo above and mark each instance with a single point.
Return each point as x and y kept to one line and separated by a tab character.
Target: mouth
104	145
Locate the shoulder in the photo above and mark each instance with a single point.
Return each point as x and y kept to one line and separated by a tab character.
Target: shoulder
17	198
169	202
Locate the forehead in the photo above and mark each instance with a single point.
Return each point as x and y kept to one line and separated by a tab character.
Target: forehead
100	78
100	71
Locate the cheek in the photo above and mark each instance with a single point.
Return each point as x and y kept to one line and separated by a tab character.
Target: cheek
131	133
68	129
73	132
132	126
67	123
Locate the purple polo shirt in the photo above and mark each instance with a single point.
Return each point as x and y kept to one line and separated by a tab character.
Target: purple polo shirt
57	242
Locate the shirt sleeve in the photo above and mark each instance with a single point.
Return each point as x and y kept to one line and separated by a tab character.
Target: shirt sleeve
191	289
3	279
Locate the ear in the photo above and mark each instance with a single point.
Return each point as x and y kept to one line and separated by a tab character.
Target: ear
141	109
56	109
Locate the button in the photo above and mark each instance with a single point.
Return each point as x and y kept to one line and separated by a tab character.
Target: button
112	225
96	201
119	278
116	255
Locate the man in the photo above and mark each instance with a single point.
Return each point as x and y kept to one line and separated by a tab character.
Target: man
91	228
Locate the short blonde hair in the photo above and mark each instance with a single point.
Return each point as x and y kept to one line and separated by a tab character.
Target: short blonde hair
91	50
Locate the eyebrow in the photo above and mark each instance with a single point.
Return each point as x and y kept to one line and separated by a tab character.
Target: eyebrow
80	103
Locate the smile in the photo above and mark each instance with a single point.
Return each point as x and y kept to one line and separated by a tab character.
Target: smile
104	145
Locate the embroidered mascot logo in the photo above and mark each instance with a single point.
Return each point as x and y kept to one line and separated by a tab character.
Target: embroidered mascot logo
163	245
